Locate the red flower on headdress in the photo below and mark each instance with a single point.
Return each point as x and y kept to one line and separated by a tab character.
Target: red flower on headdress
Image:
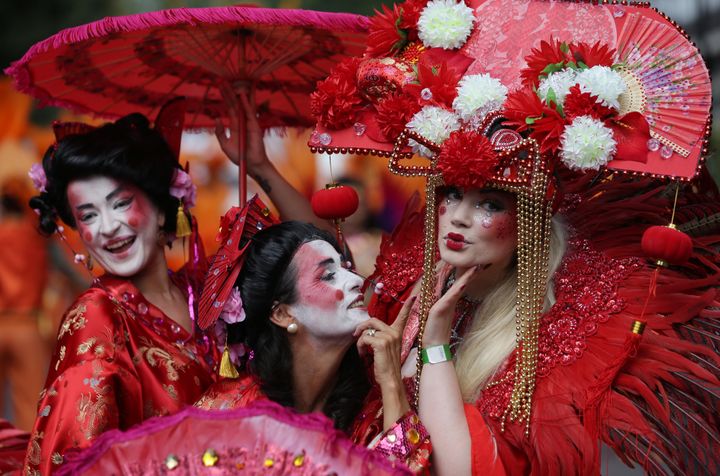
334	102
394	112
386	38
549	53
467	159
525	111
578	104
520	105
440	80
411	11
595	55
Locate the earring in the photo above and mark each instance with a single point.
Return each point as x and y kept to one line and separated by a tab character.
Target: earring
292	328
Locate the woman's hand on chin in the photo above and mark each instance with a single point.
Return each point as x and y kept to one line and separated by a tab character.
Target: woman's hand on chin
440	317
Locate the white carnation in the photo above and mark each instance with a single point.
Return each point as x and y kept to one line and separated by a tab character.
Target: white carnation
478	94
603	82
445	24
434	124
560	83
587	144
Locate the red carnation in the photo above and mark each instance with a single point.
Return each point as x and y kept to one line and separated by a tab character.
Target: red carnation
549	53
525	111
394	112
467	159
595	55
334	102
441	80
548	129
385	37
411	11
521	105
578	103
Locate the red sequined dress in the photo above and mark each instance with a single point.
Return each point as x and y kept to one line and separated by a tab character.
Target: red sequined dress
658	406
406	441
118	361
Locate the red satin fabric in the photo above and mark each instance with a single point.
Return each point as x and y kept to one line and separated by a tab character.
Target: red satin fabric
118	361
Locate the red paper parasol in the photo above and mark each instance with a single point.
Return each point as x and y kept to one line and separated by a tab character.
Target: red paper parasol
137	63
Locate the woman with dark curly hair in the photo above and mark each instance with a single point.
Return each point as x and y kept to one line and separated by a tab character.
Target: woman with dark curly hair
300	312
127	348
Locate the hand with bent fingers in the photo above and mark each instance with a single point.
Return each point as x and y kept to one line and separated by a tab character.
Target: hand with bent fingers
440	318
256	155
385	343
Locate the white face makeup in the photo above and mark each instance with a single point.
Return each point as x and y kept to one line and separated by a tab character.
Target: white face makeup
330	304
117	223
477	227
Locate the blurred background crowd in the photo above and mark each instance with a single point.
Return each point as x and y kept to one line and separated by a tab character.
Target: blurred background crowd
38	278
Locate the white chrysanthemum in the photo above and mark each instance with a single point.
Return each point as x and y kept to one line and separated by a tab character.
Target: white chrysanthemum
433	123
603	82
560	83
587	144
445	24
478	94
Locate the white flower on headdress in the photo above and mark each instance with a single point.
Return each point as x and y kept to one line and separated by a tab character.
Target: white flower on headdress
233	311
603	82
183	188
434	124
587	144
38	177
560	83
478	94
445	24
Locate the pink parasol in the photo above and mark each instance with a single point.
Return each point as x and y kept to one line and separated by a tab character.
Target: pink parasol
209	56
264	438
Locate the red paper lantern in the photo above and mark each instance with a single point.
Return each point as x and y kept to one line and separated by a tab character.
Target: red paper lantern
667	245
335	202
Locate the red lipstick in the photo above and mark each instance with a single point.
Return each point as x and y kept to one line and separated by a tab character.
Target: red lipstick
455	241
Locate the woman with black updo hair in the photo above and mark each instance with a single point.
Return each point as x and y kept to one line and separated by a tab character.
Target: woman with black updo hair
128	348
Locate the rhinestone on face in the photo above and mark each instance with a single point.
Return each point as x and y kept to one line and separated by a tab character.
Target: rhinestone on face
268	463
299	460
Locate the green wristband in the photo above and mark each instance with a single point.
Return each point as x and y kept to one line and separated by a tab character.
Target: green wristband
436	354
